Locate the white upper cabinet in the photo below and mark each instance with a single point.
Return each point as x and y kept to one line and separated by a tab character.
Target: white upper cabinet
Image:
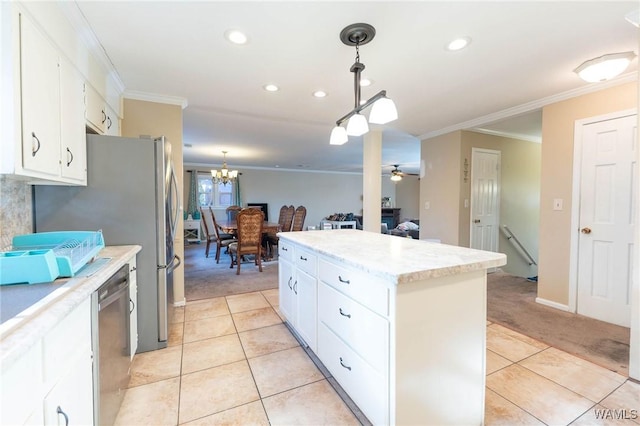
40	93
53	89
72	123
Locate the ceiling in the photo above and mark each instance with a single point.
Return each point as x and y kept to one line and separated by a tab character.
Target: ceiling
522	55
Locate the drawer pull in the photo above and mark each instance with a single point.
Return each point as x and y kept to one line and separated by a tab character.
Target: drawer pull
345	366
303	258
343	314
284	248
343	280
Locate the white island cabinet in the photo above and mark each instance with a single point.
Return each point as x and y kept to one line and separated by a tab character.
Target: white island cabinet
400	323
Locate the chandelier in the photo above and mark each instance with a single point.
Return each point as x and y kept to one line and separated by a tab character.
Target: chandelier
224	175
383	110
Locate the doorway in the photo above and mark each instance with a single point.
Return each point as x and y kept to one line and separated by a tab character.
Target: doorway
485	199
605	172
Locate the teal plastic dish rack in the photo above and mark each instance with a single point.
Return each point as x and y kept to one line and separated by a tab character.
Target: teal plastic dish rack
45	256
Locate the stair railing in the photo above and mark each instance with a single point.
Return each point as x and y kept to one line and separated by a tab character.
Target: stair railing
511	237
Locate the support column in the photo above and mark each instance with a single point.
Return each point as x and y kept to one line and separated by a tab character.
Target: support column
372	181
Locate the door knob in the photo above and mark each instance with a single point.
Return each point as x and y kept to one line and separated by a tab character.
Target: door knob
476	221
586	230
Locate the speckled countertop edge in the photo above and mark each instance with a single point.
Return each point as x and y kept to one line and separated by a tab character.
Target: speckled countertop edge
395	259
22	332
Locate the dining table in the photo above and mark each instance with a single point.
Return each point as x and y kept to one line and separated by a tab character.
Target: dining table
231	227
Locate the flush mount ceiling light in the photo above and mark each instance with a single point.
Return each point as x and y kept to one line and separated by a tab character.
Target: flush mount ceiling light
319	94
270	87
224	175
383	109
604	67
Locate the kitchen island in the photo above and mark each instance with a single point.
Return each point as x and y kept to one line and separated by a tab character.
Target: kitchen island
399	323
46	348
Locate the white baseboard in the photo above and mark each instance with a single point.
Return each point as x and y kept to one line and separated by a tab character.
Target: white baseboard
179	303
553	304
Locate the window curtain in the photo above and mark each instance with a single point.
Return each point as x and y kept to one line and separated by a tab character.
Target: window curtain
237	195
192	202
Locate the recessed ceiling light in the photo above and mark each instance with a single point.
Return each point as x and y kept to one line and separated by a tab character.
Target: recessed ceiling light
270	87
365	82
458	44
236	37
319	94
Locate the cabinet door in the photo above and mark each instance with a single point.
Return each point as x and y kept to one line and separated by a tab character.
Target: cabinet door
133	306
286	295
305	291
96	111
40	91
70	401
73	133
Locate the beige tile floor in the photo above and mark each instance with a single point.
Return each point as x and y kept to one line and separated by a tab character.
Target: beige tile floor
231	360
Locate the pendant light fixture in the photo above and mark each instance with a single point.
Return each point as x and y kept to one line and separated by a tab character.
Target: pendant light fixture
224	175
383	110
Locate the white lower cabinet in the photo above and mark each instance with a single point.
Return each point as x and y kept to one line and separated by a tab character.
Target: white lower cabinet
53	383
298	290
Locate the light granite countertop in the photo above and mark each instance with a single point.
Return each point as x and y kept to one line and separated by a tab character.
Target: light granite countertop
396	259
23	330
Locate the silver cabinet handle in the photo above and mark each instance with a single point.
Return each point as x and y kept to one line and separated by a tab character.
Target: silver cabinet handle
343	364
343	314
295	287
290	278
303	258
284	248
34	150
69	156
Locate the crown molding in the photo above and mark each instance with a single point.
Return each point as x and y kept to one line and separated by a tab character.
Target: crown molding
202	166
531	106
154	97
509	135
72	11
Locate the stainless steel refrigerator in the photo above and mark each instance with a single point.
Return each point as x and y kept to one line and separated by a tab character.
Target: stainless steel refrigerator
133	197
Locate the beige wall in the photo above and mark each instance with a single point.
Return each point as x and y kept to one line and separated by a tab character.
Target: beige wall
440	187
155	119
408	197
557	179
519	196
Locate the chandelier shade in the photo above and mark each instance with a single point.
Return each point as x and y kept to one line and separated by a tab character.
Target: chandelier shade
383	109
224	175
357	125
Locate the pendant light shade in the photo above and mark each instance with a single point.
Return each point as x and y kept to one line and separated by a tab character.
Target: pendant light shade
383	111
338	136
604	67
357	125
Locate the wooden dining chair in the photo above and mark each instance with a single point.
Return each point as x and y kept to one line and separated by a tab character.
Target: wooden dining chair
298	218
232	212
208	226
222	239
250	222
284	220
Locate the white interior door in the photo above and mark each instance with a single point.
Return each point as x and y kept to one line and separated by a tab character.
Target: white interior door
485	198
606	219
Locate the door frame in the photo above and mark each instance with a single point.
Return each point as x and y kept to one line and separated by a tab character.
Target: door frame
634	344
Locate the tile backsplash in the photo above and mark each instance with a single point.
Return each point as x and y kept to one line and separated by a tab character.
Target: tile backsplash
16	209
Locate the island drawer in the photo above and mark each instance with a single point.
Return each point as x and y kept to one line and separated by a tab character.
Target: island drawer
366	332
306	261
285	250
366	387
368	290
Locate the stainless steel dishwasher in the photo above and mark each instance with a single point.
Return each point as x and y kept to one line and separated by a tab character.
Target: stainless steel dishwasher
111	346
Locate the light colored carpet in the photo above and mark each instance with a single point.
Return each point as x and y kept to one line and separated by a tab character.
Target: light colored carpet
511	303
204	279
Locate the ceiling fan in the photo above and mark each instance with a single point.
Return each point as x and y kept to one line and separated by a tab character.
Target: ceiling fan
397	174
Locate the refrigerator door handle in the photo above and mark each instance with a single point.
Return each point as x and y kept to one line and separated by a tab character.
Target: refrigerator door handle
174	184
174	264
